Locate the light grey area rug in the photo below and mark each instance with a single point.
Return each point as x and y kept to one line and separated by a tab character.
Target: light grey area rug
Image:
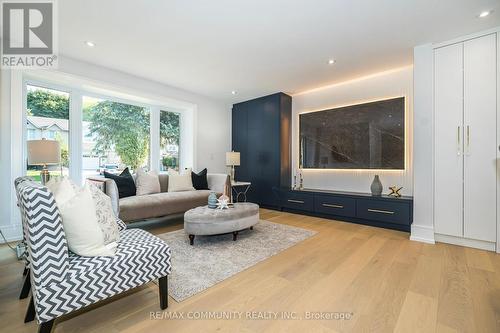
213	259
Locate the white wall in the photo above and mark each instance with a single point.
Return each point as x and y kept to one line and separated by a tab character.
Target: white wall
422	228
8	229
393	83
212	118
211	131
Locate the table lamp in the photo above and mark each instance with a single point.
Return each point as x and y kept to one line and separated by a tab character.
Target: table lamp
232	160
44	152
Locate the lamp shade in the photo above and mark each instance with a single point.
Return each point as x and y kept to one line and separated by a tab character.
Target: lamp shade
233	158
44	152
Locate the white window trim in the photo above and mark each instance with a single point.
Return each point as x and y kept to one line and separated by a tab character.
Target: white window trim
75	125
154	137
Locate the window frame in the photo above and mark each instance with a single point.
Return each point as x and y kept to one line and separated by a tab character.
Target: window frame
149	107
159	137
75	139
49	86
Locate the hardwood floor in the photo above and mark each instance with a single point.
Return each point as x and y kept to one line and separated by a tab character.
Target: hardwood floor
377	277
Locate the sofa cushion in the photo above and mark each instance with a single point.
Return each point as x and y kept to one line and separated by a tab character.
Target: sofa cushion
105	215
199	179
147	182
160	204
125	183
180	181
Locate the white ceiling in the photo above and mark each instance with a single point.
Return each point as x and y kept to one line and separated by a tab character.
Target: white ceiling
258	47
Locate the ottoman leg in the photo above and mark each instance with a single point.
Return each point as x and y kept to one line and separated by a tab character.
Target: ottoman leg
251	228
235	236
191	239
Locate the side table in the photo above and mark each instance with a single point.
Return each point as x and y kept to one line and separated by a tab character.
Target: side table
240	190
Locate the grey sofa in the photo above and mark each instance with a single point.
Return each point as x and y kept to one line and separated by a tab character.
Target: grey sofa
163	205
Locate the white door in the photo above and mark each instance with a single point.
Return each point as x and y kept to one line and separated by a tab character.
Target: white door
448	155
480	138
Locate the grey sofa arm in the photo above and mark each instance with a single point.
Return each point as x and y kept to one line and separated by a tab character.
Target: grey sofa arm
218	181
109	187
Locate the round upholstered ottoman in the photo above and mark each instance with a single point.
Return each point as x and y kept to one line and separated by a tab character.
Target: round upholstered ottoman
204	221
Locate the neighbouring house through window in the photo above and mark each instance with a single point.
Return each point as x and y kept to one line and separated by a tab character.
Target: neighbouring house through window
169	140
47	117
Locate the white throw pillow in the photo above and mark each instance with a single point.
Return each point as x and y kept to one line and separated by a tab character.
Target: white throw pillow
147	182
180	181
79	219
63	189
105	216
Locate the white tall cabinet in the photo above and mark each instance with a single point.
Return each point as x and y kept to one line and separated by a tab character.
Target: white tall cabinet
465	137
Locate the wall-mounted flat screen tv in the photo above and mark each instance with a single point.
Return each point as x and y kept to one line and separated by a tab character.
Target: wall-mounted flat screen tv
363	136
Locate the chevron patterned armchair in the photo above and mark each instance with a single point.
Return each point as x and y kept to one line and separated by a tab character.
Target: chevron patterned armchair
62	282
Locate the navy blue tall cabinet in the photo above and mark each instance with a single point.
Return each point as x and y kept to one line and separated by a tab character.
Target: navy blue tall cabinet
261	132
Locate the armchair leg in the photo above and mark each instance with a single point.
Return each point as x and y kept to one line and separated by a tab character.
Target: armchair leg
46	327
26	287
30	312
163	286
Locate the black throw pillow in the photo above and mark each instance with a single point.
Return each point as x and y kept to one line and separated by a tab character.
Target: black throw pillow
199	179
124	182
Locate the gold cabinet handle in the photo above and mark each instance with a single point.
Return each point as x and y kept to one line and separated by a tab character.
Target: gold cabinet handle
332	206
295	201
380	211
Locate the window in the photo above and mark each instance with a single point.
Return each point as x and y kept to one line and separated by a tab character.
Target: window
114	136
169	140
47	116
32	133
113	133
49	134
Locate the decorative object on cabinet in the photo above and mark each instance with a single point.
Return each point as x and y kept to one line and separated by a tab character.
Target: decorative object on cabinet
232	160
301	185
395	191
376	186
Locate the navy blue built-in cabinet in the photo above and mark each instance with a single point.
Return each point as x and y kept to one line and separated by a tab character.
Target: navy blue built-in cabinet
379	211
261	130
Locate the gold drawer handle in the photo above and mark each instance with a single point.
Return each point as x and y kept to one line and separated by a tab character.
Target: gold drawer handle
296	201
332	206
380	211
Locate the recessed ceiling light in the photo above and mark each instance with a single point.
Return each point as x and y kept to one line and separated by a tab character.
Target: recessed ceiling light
89	43
485	13
234	92
331	61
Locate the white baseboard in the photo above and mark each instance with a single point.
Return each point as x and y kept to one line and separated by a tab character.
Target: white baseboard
477	244
11	232
420	233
